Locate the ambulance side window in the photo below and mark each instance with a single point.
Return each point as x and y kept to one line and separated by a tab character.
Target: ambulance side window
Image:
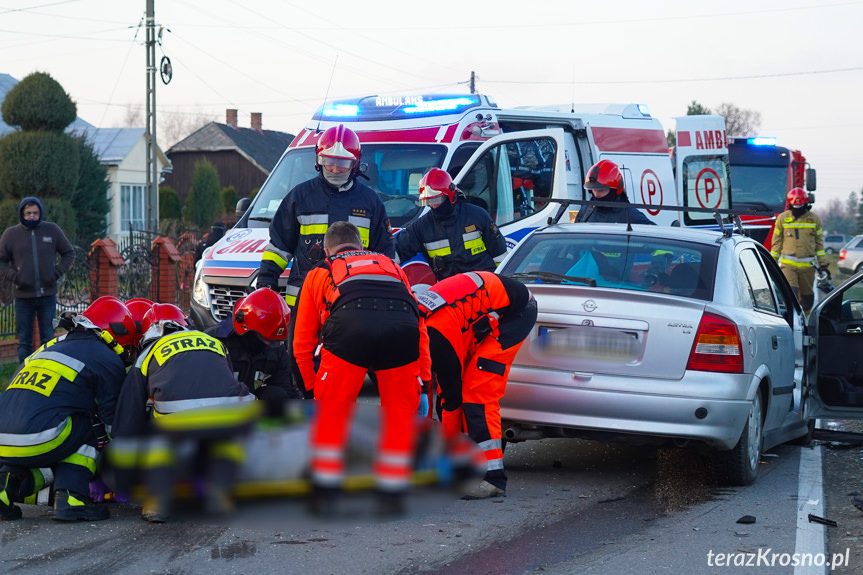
509	176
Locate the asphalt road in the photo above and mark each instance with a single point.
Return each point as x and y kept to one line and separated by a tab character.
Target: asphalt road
571	507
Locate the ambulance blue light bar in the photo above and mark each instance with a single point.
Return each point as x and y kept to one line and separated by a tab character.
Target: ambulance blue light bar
395	107
761	141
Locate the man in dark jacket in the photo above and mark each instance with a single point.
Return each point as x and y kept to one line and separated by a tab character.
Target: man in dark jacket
454	237
28	259
605	181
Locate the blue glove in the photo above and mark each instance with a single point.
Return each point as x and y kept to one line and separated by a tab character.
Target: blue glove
424	405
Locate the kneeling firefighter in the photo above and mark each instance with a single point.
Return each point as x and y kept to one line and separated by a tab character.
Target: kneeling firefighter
56	414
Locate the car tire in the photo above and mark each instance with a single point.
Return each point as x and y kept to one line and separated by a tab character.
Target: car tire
739	466
830	251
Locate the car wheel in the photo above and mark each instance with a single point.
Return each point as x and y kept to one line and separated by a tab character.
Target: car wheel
739	466
830	251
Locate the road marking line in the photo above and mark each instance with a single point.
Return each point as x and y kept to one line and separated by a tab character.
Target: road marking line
810	499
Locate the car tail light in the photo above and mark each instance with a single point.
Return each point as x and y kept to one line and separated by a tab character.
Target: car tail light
717	346
842	254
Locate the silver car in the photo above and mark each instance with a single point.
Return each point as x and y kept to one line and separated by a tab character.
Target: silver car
851	256
658	335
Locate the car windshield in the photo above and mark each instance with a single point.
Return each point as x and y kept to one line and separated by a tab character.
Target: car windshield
618	261
393	171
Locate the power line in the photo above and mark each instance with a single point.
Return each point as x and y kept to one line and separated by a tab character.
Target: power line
675	81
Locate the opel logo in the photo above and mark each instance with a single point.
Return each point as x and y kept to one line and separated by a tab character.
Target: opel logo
589	305
587	322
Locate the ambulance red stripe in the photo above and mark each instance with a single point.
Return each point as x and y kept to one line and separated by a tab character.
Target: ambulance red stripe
630	140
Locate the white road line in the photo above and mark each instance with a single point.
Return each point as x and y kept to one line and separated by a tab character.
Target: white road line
810	499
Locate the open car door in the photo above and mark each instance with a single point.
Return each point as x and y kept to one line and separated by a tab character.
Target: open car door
507	174
835	360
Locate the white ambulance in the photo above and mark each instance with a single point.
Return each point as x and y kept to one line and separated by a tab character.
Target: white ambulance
506	161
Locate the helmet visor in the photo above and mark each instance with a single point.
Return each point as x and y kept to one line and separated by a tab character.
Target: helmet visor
336	162
434	201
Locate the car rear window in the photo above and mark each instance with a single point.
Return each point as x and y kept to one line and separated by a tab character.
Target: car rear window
617	261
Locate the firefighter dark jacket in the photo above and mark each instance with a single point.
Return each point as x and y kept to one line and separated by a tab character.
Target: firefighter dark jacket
298	228
464	240
179	372
76	373
253	361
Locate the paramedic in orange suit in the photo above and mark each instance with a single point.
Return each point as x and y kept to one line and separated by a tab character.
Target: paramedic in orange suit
476	322
358	304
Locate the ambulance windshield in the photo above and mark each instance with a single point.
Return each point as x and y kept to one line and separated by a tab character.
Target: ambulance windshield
393	171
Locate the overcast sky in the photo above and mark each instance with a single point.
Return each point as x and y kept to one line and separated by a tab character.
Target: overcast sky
797	62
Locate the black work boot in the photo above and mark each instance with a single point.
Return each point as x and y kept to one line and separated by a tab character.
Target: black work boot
70	506
8	489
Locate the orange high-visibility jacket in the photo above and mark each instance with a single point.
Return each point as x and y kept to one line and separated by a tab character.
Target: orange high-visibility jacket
370	275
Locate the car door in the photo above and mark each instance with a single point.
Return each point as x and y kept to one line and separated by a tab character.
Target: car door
770	339
506	177
835	368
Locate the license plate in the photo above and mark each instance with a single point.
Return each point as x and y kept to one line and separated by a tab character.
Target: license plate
596	343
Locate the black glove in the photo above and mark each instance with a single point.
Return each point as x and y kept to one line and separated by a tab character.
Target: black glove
826	271
262	283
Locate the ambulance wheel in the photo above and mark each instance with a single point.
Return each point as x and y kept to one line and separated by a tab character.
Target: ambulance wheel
739	465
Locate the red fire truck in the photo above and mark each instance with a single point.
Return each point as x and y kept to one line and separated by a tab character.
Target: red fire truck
762	173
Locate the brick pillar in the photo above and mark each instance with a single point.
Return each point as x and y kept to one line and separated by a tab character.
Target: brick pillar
163	278
105	262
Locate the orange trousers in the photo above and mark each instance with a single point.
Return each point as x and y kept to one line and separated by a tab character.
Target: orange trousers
337	385
483	384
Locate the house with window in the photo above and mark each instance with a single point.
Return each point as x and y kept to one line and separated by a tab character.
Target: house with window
123	151
244	157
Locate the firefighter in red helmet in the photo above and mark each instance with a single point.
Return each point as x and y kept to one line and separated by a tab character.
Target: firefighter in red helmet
335	195
358	306
604	181
187	378
798	245
476	323
58	409
454	236
255	336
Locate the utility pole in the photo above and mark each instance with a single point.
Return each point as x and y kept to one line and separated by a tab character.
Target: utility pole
473	82
152	190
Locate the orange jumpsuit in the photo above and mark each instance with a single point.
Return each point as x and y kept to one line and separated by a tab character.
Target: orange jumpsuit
357	305
476	323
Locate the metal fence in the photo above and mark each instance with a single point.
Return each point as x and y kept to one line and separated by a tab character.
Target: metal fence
134	278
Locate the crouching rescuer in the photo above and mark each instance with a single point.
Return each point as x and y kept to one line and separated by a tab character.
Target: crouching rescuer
57	412
476	323
180	401
358	306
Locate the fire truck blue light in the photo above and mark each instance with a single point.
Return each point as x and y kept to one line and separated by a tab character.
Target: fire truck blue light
761	141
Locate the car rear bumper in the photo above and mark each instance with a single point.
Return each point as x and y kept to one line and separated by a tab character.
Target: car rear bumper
630	406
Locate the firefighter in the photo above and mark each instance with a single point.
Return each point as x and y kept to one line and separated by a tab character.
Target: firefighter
58	409
798	245
334	195
604	180
454	236
255	338
359	305
476	323
195	402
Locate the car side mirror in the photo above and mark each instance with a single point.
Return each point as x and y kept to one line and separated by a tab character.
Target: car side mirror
810	179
